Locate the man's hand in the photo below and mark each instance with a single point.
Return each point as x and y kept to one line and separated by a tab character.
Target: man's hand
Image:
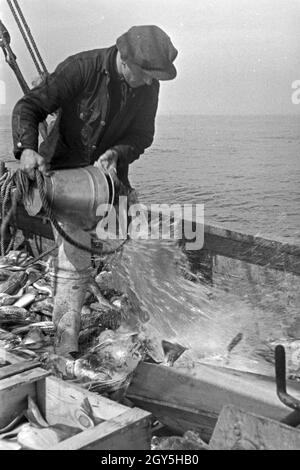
30	160
108	161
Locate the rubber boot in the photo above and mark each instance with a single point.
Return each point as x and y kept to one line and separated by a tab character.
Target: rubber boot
71	273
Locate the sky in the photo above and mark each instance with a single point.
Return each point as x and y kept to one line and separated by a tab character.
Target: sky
235	56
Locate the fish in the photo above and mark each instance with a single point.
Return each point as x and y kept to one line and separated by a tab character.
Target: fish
109	318
114	356
117	303
6	299
11	315
34	415
105	283
95	290
96	315
172	352
4	274
9	428
42	286
25	300
8	340
47	328
36	438
189	441
8	444
14	283
90	318
34	339
15	260
234	342
33	275
44	307
87	338
108	366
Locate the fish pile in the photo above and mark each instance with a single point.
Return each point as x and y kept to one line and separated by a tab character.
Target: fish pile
109	347
107	366
26	303
189	441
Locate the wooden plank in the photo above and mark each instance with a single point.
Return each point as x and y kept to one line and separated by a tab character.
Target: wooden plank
237	429
26	377
16	368
129	431
59	402
178	418
272	253
197	396
261	254
14	392
254	240
14	402
9	357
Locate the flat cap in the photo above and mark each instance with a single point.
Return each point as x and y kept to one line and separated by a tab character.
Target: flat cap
150	48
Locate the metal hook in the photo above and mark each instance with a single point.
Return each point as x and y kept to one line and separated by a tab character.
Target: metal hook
293	419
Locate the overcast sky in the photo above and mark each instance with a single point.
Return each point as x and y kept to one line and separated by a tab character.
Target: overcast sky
235	56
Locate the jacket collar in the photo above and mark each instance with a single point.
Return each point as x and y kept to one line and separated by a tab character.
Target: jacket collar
105	62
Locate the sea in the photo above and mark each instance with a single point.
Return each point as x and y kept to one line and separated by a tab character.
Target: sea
244	169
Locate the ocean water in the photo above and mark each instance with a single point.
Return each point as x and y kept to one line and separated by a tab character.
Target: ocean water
244	169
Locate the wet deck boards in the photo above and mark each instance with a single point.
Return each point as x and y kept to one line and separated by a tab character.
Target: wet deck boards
192	399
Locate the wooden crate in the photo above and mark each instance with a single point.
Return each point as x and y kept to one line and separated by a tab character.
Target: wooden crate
239	430
11	364
120	427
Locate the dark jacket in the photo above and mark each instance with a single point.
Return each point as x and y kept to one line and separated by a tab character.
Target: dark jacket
79	89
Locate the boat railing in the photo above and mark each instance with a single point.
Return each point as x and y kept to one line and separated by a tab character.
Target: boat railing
272	253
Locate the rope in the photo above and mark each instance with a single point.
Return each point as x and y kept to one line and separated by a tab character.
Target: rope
22	31
18	8
9	199
14	188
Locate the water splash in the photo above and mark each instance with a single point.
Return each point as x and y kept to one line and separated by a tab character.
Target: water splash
167	306
201	317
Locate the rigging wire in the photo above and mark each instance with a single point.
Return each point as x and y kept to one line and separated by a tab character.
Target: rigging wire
22	31
11	58
18	8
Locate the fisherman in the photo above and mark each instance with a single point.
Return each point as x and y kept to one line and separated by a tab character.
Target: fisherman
106	102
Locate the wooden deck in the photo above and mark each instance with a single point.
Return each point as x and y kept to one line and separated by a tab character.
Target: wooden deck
193	399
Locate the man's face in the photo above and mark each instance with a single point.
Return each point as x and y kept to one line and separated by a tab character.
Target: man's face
134	75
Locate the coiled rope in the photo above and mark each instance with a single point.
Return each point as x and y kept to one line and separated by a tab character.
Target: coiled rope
15	187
